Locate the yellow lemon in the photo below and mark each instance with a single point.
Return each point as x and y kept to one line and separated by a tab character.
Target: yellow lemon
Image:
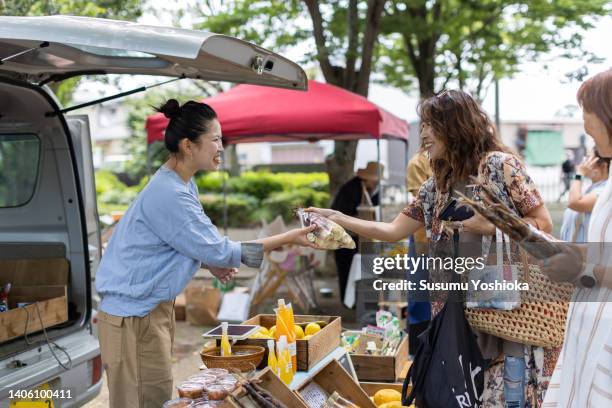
312	329
387	396
264	332
307	337
299	333
272	331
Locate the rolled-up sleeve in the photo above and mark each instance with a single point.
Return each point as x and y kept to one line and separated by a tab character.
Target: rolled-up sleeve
251	254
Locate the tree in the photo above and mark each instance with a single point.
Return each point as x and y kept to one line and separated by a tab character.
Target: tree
470	43
345	33
113	9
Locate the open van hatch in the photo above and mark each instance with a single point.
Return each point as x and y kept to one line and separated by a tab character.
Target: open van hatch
52	48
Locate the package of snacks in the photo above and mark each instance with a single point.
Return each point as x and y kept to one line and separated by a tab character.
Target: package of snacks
328	234
191	390
217	392
216	372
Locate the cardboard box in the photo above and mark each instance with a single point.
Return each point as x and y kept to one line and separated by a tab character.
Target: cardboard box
381	368
179	308
51	303
333	377
202	304
309	352
271	383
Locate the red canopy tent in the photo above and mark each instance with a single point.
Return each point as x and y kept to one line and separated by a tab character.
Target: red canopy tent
251	113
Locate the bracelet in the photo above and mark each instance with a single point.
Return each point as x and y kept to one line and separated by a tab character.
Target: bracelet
578	177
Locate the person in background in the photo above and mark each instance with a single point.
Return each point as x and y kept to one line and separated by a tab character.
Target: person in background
583	375
419	311
575	227
361	189
567	168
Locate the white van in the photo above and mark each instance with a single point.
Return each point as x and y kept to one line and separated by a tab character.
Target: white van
47	194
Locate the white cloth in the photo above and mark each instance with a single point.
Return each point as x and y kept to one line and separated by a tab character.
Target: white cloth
583	375
354	276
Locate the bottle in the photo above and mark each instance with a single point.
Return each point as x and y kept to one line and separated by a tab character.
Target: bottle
284	327
284	361
226	347
272	361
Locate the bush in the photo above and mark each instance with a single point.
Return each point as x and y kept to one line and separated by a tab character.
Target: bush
107	181
286	202
257	184
210	182
241	209
315	181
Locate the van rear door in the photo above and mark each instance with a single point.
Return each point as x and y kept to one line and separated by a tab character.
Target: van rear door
52	48
78	125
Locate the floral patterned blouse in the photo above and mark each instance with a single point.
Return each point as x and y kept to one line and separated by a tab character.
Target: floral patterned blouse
507	176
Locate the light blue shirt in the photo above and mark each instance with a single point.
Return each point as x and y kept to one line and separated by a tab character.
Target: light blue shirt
158	246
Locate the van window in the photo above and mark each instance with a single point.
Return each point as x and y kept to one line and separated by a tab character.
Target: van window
19	160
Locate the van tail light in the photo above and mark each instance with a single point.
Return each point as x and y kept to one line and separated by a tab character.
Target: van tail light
96	369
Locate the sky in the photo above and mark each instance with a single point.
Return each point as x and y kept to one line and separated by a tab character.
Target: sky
533	94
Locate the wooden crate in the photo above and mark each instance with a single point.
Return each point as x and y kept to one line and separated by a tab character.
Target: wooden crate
372	388
271	383
381	368
52	304
333	377
309	352
34	272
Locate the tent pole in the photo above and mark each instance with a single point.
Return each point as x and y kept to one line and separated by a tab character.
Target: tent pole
149	160
224	195
380	192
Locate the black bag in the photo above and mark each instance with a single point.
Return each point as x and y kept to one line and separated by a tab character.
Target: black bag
448	368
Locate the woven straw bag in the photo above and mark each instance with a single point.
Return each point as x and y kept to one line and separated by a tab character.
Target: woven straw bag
539	321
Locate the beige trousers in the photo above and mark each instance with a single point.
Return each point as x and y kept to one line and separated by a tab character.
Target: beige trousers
136	354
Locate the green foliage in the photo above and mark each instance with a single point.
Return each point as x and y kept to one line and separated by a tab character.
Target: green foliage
211	182
315	181
241	209
453	43
107	181
286	202
112	9
257	184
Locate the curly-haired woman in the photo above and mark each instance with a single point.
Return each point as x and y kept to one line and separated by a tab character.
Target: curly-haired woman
463	144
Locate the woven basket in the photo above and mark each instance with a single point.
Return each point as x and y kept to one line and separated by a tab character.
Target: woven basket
539	321
242	362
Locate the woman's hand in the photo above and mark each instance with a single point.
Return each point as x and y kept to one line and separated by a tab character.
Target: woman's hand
223	274
587	166
565	266
299	236
476	224
325	212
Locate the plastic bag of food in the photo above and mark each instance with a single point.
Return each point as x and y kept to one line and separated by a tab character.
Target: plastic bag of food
328	234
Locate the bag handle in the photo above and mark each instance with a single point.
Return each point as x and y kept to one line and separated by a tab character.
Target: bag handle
364	193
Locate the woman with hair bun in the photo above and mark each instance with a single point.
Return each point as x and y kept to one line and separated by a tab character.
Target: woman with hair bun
159	244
